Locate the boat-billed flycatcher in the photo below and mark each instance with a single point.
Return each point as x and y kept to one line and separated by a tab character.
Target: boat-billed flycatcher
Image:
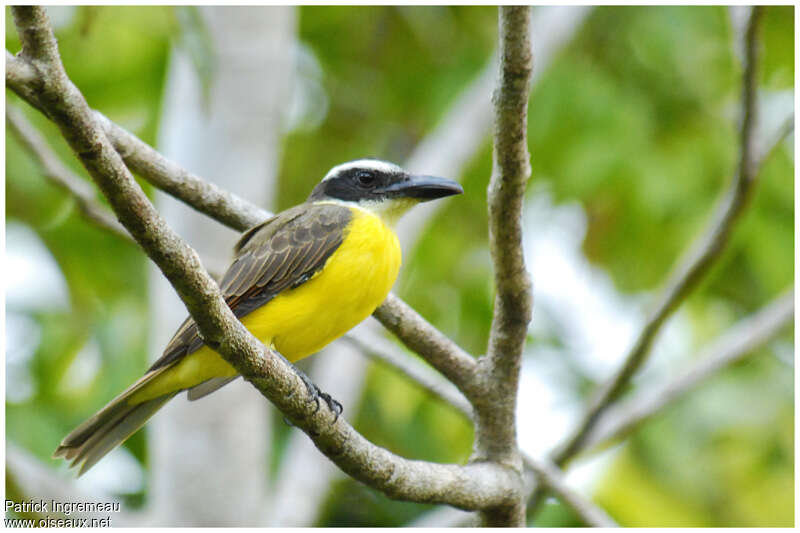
298	281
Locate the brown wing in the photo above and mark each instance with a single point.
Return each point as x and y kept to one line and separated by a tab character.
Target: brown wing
280	254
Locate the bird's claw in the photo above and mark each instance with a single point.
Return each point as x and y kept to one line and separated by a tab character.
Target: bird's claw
314	395
335	407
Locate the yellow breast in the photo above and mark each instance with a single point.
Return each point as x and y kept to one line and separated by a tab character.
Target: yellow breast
354	281
301	321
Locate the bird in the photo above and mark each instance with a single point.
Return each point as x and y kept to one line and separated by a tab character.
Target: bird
298	281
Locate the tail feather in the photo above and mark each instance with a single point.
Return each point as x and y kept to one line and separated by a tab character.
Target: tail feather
109	427
207	387
109	437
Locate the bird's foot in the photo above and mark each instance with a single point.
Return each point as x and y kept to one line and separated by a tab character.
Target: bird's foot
314	392
314	395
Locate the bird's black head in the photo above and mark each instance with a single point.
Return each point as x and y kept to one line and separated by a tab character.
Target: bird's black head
380	185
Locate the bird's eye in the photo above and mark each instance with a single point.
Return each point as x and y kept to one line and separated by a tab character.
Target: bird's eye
365	179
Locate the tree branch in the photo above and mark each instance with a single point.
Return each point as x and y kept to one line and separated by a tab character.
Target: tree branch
421	337
547	473
552	477
474	486
378	347
511	169
205	197
696	263
551	27
304	478
219	204
495	406
738	342
59	174
20	74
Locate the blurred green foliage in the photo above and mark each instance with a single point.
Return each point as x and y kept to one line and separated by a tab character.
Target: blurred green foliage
635	119
708	463
387	80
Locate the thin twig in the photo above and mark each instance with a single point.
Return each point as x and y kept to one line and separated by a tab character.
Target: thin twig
473	486
698	260
423	338
380	348
205	197
740	341
59	174
219	204
765	146
553	478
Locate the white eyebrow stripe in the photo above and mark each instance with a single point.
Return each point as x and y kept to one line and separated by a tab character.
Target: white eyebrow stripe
371	164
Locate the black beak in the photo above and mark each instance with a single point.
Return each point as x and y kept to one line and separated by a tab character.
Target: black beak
423	188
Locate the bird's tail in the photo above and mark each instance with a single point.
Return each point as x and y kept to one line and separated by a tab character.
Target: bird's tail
110	426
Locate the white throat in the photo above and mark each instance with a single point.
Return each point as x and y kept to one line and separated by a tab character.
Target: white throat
389	211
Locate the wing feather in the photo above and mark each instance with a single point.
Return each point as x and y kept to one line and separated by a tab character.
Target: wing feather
277	266
241	283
